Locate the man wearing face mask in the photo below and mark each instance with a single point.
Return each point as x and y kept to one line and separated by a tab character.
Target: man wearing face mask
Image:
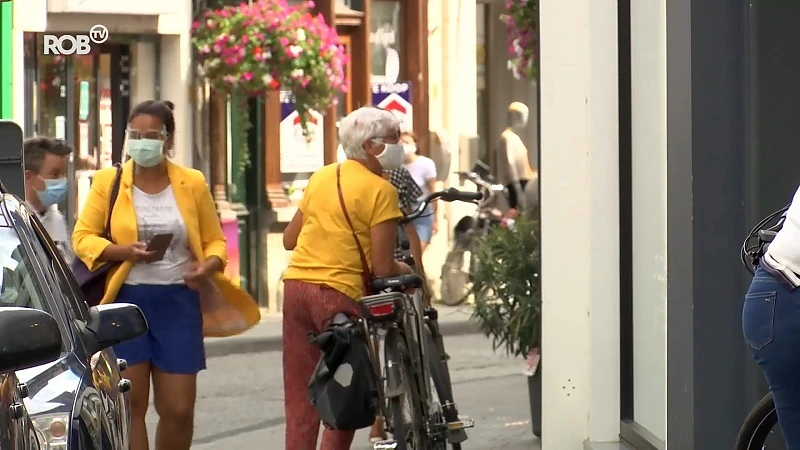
46	186
344	232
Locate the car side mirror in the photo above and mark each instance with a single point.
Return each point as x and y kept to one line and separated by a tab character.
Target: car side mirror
112	324
28	338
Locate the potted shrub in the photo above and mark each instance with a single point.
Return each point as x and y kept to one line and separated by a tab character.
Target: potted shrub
506	289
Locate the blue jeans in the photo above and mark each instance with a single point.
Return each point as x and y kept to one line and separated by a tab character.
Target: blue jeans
424	225
771	326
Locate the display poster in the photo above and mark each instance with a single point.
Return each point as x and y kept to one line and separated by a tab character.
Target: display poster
395	97
104	104
83	101
105	146
83	139
298	155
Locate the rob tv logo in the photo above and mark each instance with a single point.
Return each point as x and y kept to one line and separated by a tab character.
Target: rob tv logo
75	44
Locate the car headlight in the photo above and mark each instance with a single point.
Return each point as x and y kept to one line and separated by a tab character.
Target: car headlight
53	430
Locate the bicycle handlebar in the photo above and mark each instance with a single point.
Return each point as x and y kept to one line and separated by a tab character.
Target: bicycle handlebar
486	185
447	195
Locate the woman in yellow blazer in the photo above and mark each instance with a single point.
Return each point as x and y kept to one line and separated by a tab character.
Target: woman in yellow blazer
158	197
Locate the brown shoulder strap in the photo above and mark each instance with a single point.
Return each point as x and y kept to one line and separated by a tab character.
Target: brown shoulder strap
361	253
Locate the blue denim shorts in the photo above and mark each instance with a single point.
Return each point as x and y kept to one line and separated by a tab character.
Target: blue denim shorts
174	342
771	327
424	226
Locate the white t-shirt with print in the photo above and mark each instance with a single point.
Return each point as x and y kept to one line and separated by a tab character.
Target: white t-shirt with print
159	214
56	226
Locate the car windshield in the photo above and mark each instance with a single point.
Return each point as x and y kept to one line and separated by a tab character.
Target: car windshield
21	280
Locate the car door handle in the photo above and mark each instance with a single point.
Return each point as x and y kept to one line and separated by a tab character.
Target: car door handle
124	385
122	364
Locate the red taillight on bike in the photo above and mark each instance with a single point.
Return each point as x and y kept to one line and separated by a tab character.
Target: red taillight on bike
381	309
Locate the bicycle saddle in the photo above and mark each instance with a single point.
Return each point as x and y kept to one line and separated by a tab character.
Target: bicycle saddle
398	283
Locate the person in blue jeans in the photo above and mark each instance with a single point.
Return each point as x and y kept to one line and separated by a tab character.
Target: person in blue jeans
771	322
423	170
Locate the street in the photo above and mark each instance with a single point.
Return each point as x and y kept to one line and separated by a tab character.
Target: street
240	400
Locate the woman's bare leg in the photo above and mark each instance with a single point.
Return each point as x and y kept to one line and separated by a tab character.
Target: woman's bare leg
174	396
139	376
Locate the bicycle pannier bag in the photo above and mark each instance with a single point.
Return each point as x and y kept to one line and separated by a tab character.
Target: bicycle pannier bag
344	387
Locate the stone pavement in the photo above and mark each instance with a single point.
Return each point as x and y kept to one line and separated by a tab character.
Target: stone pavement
240	400
267	335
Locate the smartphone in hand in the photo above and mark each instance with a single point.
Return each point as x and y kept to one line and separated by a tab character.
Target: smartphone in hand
159	244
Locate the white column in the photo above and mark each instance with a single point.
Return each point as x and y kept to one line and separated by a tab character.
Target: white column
175	83
143	72
580	223
435	65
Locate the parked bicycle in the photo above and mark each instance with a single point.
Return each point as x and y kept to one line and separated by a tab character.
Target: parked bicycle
414	358
759	431
459	264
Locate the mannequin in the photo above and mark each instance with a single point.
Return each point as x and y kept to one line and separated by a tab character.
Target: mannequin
513	168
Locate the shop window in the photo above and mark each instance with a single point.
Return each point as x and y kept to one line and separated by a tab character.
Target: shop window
649	219
386	36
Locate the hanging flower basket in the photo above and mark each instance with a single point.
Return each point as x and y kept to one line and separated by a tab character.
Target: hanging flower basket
254	47
522	28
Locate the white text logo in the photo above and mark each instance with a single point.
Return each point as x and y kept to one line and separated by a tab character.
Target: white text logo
78	44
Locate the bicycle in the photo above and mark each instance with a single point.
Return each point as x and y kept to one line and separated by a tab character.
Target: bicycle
459	265
414	358
758	429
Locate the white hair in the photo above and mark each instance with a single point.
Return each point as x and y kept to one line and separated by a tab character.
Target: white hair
364	124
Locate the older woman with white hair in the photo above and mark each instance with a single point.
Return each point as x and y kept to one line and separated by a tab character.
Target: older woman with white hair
344	232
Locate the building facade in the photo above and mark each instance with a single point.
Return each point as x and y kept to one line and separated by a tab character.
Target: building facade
6	67
86	99
667	132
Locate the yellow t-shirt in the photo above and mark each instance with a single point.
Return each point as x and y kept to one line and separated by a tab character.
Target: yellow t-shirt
326	252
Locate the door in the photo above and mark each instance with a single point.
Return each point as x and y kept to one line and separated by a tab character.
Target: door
83	99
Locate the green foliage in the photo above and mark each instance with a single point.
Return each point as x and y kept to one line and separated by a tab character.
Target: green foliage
270	45
506	286
522	29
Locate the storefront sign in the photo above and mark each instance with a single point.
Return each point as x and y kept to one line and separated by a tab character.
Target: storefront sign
395	97
297	154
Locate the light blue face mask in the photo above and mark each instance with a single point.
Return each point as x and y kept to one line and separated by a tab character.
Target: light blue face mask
146	152
55	191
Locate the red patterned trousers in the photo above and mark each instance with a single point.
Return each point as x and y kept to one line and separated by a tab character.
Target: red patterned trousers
308	307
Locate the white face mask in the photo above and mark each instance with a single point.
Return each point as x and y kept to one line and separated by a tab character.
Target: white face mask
410	149
392	156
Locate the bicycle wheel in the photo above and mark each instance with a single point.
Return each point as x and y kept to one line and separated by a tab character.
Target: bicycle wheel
455	281
759	426
406	419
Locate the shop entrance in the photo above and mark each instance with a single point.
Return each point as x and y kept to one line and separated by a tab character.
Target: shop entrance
84	99
90	111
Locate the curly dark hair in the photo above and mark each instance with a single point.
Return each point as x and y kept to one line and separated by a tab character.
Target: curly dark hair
164	110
